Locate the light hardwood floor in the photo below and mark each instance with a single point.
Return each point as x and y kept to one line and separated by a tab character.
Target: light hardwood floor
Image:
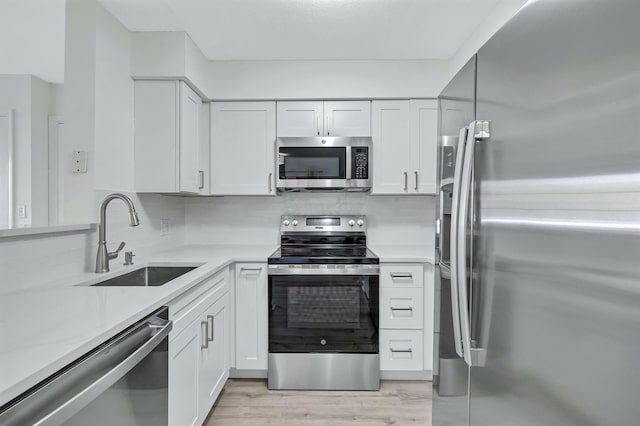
246	402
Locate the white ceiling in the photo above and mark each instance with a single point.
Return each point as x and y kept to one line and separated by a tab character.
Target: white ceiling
311	29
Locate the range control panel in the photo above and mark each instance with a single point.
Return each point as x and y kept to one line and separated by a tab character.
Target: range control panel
325	223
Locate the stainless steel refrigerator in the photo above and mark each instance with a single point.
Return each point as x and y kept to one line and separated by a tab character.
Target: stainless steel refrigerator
543	305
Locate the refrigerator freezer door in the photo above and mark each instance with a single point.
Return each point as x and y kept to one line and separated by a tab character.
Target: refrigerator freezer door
558	304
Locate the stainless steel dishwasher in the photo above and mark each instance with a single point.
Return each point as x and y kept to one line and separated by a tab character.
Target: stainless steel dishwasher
121	382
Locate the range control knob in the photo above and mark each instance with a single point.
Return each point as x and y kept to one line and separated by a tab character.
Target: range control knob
294	223
286	222
360	222
352	222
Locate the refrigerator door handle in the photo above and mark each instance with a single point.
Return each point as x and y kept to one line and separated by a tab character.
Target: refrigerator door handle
453	240
477	130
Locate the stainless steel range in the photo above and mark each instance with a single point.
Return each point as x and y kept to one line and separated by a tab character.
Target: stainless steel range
323	306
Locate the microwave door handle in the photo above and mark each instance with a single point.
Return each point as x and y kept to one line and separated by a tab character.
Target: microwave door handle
453	240
348	165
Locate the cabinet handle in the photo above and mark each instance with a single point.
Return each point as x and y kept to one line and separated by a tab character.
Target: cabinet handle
401	350
205	334
402	309
318	124
250	269
211	319
328	132
401	275
201	178
269	180
416	173
406	181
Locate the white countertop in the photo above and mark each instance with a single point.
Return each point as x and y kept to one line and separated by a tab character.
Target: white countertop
44	329
394	253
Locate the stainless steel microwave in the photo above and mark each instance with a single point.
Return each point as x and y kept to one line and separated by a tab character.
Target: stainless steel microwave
324	163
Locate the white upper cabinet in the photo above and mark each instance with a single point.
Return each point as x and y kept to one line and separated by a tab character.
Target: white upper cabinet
318	118
347	118
300	119
391	147
424	135
168	138
243	148
405	136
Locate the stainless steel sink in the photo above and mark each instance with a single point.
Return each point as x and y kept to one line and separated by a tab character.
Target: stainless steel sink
149	276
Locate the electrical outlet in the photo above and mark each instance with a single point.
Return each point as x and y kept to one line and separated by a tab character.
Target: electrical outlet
164	226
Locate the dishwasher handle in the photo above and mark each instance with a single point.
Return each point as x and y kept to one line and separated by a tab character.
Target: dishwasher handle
72	389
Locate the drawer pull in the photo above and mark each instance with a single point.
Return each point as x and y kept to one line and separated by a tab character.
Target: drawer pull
401	275
205	335
401	350
251	269
401	309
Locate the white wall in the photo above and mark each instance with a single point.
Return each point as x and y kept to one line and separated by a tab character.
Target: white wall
325	79
392	220
113	105
174	55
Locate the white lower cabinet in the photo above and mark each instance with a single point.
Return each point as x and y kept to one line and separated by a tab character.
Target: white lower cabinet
406	318
251	321
198	350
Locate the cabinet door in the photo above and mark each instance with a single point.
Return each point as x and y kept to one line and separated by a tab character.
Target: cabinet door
300	119
243	148
424	128
190	106
156	135
214	359
251	316
391	147
184	359
347	118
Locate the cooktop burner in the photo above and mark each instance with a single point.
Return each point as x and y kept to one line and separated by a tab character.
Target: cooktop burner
312	255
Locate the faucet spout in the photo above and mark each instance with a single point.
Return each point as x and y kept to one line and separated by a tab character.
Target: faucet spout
103	256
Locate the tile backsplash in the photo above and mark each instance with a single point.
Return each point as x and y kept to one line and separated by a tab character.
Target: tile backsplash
392	220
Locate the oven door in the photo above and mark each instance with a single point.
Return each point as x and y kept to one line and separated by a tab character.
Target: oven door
323	309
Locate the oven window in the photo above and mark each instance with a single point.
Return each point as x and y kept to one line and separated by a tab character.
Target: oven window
312	163
323	313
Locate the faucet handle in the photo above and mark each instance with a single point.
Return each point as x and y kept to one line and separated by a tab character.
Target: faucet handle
114	254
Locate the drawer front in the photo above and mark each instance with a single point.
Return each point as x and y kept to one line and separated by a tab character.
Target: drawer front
401	350
401	275
206	293
401	308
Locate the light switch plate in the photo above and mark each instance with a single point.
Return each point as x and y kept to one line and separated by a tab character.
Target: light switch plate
22	212
79	162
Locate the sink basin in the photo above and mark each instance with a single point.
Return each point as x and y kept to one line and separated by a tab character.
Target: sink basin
149	276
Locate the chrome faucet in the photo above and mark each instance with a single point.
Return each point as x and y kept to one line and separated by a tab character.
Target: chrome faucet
103	257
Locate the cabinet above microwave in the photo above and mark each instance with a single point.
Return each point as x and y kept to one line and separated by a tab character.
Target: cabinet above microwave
324	118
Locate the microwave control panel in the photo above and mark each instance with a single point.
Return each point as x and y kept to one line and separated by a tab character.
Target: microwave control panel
359	162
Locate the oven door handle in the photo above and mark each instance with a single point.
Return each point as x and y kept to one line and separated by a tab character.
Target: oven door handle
332	269
62	397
